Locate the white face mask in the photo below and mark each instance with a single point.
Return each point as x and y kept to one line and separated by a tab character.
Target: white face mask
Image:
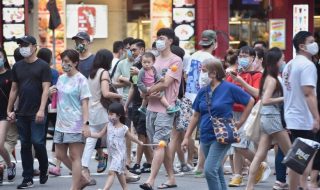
160	45
204	79
25	51
313	48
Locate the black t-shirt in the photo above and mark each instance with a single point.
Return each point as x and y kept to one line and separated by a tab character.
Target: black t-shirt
29	77
136	99
5	87
85	65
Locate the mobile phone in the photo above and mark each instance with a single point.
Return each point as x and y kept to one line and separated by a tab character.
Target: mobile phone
233	73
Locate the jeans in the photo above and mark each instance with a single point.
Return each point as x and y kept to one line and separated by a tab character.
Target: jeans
214	153
32	133
281	169
90	145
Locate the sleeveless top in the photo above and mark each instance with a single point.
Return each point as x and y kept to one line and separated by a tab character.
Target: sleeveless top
273	108
97	113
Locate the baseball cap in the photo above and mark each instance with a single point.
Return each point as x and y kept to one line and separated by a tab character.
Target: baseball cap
27	39
208	37
82	35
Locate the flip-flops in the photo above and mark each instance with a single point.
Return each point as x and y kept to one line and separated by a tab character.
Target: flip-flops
146	186
167	186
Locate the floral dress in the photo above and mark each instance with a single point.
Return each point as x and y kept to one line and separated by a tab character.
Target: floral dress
116	143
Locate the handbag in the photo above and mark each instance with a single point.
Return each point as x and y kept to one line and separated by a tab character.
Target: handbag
106	102
252	124
300	154
223	128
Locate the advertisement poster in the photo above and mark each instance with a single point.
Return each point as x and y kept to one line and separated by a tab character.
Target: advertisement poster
84	18
277	37
300	19
183	18
45	34
161	16
13	25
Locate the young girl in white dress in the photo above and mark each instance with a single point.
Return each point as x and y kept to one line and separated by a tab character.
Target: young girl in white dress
116	142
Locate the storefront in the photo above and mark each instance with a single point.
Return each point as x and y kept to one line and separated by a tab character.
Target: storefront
272	21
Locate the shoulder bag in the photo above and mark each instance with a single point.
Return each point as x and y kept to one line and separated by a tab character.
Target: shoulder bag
252	124
106	102
223	128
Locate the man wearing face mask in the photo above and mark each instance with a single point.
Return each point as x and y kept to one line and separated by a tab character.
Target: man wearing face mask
159	124
119	54
300	101
31	82
82	40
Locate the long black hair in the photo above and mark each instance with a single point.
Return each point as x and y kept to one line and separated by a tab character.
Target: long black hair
272	58
118	109
103	59
5	59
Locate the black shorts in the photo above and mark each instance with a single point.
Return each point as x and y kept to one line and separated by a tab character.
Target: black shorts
139	121
306	134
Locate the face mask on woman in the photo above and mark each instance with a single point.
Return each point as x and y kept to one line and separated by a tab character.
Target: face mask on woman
204	79
66	67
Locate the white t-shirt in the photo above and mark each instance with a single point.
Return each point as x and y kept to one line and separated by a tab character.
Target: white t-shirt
299	72
113	64
193	69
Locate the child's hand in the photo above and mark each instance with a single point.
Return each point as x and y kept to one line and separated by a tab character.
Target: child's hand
86	132
140	143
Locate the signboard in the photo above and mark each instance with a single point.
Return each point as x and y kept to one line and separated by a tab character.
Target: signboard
85	18
161	16
277	37
13	25
300	19
184	23
45	34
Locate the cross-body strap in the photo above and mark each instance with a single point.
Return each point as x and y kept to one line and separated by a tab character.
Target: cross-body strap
114	70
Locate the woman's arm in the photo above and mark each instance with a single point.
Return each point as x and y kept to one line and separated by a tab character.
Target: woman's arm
85	116
269	88
105	87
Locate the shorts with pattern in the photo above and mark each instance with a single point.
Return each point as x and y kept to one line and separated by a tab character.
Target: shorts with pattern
67	138
159	126
185	114
270	123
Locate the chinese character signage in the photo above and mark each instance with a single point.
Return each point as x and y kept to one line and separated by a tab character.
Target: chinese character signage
300	19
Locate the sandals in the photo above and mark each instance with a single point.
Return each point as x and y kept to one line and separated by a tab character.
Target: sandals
146	186
167	186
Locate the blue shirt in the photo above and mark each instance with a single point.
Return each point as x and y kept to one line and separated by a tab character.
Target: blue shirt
55	76
222	100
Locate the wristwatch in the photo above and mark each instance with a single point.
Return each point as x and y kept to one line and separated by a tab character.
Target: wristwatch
86	123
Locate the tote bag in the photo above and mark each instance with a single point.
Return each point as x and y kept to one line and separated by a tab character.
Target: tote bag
252	124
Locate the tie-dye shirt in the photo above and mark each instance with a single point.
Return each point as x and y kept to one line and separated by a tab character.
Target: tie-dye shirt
71	90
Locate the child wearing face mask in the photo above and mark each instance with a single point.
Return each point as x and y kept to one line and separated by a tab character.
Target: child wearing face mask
147	77
117	133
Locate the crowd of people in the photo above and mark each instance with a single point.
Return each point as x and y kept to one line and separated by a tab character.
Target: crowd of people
165	101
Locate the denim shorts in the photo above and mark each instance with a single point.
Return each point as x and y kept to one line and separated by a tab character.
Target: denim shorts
270	123
67	138
159	126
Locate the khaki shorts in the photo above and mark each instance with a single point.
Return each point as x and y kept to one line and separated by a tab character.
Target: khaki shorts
11	140
159	126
